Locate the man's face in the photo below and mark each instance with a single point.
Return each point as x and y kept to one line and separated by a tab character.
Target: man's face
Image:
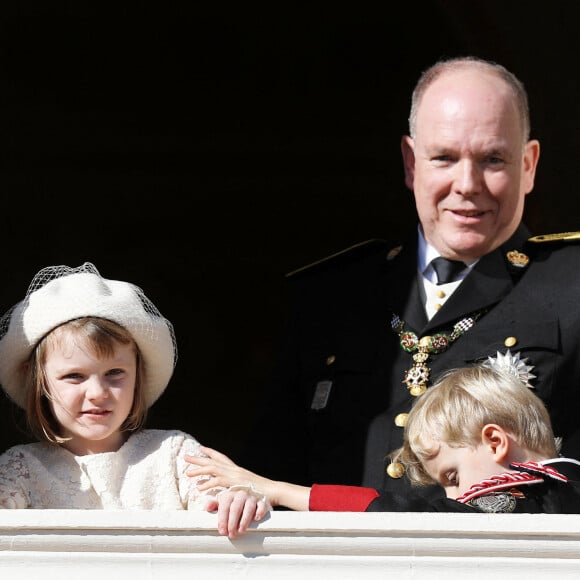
468	166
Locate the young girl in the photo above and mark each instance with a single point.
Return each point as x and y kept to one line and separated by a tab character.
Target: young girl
479	433
86	357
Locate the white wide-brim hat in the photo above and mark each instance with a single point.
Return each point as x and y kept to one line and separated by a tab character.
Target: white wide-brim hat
58	294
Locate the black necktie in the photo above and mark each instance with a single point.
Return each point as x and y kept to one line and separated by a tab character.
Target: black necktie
446	270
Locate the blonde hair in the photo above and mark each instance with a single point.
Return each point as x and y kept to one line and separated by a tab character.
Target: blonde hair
457	407
101	336
429	76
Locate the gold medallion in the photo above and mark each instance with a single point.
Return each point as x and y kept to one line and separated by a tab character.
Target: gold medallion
416	378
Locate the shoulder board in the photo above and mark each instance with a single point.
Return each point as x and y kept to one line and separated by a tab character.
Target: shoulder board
561	237
367	246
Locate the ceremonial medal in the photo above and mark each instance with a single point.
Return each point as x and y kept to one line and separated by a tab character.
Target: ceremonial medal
495	503
514	364
417	377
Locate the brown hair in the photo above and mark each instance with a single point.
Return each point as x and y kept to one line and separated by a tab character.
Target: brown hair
101	335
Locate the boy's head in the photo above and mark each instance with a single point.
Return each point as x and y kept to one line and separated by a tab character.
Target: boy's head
60	294
471	407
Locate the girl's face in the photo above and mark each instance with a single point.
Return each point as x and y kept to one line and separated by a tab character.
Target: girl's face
90	397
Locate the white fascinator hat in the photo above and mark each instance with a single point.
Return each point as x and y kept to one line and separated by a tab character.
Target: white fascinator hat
58	294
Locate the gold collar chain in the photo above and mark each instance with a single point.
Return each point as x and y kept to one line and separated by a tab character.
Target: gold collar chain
417	377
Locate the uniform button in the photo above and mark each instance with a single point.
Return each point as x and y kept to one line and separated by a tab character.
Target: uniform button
395	470
510	341
330	359
438	306
441	294
401	419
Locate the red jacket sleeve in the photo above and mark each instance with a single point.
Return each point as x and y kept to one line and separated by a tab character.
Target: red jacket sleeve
340	498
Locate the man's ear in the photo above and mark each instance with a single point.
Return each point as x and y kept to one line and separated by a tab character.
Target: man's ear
497	440
530	162
408	151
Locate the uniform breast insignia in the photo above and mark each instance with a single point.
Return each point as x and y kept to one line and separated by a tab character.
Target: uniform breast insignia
495	503
513	364
518	259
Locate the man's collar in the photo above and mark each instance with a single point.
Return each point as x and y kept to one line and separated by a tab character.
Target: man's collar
426	253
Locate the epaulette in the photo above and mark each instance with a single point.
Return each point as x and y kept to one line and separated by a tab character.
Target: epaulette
366	247
560	237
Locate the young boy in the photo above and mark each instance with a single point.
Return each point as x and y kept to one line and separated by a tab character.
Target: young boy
479	433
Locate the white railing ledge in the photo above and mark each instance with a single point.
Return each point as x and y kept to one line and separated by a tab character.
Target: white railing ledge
55	544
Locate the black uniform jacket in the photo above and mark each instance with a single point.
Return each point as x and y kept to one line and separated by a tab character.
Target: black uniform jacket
328	416
533	490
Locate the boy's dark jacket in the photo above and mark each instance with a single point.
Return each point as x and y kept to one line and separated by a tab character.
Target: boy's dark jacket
553	488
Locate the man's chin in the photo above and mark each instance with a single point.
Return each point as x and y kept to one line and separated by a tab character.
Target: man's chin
469	247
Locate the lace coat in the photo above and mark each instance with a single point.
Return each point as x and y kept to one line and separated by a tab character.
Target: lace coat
147	472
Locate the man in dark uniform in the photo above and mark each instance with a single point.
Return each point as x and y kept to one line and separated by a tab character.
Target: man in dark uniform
372	327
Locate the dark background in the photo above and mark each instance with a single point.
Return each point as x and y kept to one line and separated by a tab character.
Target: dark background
203	152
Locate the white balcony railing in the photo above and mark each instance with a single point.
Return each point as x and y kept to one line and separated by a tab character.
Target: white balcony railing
63	544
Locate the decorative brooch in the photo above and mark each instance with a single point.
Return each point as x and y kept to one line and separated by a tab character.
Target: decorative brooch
514	364
518	259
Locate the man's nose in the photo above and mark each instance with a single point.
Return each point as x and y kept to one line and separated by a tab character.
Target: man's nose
468	178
